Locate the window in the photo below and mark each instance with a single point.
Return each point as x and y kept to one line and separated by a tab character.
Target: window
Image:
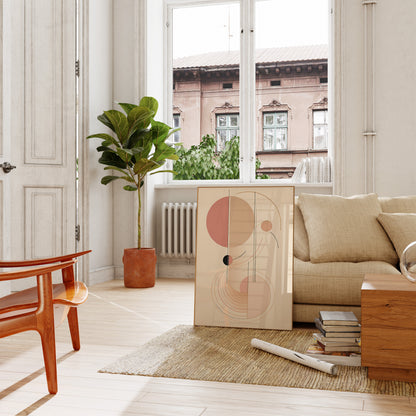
280	71
176	124
227	128
320	129
275	130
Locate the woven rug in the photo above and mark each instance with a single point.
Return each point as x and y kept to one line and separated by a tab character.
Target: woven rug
225	355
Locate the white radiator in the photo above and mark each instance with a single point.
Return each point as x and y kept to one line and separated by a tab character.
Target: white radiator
178	229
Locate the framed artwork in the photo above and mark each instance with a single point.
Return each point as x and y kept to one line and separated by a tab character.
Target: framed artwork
244	257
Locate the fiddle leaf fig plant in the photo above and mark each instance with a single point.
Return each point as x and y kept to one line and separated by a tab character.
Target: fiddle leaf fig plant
138	146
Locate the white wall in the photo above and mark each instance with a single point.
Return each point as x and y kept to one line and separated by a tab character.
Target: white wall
100	97
125	90
395	97
394	88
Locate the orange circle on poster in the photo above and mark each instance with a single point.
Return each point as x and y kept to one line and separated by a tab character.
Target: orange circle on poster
230	221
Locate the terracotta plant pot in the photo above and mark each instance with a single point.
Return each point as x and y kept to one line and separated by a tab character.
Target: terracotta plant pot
139	267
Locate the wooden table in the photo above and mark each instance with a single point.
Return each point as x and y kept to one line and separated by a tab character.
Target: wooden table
388	327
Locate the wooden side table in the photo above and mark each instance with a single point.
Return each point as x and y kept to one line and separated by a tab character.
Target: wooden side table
388	327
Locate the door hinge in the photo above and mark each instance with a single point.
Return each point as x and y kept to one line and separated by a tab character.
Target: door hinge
77	232
77	70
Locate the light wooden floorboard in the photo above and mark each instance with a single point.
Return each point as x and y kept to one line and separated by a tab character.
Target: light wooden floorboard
115	321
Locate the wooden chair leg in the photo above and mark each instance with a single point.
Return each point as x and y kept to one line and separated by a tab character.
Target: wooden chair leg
73	328
46	329
49	357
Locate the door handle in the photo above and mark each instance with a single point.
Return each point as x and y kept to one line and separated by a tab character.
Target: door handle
7	167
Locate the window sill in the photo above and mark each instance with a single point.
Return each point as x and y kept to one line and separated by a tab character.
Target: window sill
260	183
288	151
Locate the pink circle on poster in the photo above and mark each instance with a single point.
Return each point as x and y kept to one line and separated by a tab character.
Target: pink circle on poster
230	221
266	225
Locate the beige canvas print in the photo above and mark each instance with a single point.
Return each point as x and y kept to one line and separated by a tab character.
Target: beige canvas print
244	257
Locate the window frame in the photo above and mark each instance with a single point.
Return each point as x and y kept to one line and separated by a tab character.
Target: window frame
326	124
228	128
275	127
176	122
248	112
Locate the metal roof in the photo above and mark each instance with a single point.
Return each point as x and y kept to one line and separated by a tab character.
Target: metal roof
263	56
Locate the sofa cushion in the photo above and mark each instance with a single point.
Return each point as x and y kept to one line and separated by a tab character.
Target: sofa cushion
401	228
398	204
345	229
300	237
337	283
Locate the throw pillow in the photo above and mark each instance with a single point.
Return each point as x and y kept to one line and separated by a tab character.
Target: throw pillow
345	229
300	238
405	204
401	228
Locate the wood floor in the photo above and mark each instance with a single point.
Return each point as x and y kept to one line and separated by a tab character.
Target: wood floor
113	322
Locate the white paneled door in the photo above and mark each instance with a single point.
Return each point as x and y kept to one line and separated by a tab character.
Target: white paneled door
39	129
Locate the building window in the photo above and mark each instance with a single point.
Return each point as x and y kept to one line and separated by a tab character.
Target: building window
227	128
275	130
176	124
320	129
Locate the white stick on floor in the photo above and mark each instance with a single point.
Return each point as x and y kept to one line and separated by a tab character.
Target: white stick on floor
295	356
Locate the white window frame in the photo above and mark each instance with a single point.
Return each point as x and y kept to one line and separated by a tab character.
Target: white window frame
325	125
227	128
275	128
176	122
248	112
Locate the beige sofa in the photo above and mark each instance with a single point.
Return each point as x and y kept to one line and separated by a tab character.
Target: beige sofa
338	240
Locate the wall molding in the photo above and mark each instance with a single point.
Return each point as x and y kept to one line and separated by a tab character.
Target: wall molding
369	111
100	275
336	88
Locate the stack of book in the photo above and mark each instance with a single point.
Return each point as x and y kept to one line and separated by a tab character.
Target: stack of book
338	340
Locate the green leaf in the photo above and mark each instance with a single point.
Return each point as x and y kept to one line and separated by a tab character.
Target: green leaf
107	179
119	122
173	157
105	148
130	188
174	131
160	171
109	143
128	179
125	154
144	165
160	131
127	107
149	102
164	151
137	138
104	119
123	171
112	159
138	119
103	136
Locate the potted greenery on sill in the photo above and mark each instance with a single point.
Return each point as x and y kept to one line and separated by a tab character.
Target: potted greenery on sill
137	148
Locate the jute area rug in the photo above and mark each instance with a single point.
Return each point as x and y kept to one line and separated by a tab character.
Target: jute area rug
225	355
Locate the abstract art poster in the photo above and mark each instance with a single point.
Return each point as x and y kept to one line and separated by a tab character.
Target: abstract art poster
244	257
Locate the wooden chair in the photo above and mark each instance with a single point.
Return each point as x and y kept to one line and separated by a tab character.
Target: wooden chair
45	306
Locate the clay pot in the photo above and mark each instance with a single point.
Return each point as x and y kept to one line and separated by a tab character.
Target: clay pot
139	267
